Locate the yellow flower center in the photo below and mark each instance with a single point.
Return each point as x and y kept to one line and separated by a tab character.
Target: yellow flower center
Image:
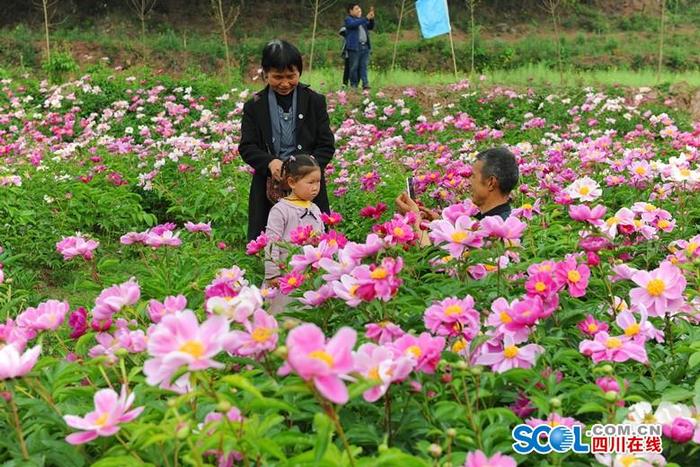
510	351
640	170
194	348
692	246
554	423
540	286
685	172
453	310
637	223
527	206
663	223
459	236
632	330
613	343
573	276
373	373
379	274
353	289
505	317
656	287
102	421
649	418
627	460
649	207
545	268
415	351
584	190
592	328
292	281
261	334
459	345
612	221
323	356
490	267
398	232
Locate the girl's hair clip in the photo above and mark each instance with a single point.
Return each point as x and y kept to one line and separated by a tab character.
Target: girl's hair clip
292	159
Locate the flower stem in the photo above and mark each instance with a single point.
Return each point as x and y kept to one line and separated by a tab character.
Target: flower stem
18	426
339	429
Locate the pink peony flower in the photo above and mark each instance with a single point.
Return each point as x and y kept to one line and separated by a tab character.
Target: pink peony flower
638	331
541	284
680	430
660	291
179	340
508	355
323	363
581	212
584	189
113	299
457	236
257	245
331	219
553	419
383	332
375	212
479	459
575	277
259	337
111	410
290	282
70	247
425	350
509	229
592	326
613	348
78	322
379	364
205	228
164	238
47	315
378	281
314	298
171	304
14	364
453	317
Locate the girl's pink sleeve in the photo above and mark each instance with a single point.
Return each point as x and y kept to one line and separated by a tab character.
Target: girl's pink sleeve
276	224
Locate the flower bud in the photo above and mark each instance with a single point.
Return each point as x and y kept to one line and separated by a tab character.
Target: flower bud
555	402
183	432
435	450
281	352
461	365
611	396
477	370
451	432
607	369
223	406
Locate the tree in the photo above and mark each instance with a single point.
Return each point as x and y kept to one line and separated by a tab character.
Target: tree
471	4
319	7
142	8
48	9
661	41
226	13
552	7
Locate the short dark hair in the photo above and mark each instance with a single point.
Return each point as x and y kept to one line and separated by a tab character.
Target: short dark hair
351	6
298	166
281	55
500	163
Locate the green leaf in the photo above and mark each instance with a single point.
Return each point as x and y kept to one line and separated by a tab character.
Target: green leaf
676	394
242	383
694	360
120	461
323	427
590	407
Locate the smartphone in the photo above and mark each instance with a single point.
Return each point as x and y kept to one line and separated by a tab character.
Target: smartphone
409	188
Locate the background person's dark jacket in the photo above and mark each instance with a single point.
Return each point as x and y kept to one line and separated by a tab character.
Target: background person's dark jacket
352	33
313	135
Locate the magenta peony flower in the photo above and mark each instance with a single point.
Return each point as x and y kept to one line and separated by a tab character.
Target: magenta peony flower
681	430
111	410
453	317
255	246
323	363
574	276
331	219
14	364
425	350
78	322
592	326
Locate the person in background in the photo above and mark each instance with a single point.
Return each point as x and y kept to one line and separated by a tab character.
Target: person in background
346	60
284	118
358	44
494	175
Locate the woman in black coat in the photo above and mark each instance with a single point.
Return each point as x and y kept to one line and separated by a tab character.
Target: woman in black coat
286	117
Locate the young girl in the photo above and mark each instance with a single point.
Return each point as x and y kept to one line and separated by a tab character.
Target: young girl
286	117
302	175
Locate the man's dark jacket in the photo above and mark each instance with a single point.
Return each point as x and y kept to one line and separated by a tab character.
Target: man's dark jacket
313	136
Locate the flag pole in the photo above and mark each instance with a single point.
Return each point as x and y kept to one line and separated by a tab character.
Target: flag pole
452	44
398	31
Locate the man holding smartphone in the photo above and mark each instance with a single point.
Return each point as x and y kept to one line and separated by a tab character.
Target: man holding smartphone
357	43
